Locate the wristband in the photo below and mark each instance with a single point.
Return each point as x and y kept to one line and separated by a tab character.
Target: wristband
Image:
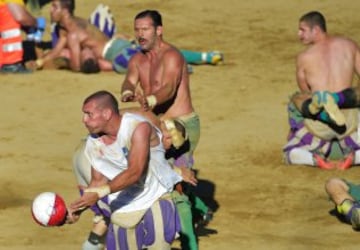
101	191
127	92
177	170
151	100
39	63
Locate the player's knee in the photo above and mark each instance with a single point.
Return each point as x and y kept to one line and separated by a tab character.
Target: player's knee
334	184
292	157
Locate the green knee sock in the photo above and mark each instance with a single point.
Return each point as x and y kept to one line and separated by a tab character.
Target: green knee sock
187	235
194	57
198	204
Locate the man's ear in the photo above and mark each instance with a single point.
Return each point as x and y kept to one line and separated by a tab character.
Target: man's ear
159	30
107	113
317	29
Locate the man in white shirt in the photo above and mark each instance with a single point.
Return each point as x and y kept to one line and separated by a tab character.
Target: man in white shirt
130	169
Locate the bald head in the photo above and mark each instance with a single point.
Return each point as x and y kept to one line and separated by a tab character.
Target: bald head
104	99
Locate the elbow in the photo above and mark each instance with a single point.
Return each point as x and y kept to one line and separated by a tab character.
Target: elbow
134	176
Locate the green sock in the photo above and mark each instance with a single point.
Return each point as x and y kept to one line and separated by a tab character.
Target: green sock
198	204
187	235
194	57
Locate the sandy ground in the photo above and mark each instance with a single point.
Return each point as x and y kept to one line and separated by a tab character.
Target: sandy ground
262	204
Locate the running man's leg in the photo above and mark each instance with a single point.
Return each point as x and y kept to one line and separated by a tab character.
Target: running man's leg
187	234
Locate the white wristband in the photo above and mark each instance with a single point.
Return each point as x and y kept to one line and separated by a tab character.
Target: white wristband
102	191
39	63
178	170
151	100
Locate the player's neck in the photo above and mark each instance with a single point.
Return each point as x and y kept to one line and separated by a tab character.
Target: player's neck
67	20
111	132
157	48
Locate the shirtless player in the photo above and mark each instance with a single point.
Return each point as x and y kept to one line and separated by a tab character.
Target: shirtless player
325	71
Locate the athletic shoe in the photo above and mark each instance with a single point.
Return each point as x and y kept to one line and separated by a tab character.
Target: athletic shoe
348	162
322	163
214	57
332	109
14	68
206	218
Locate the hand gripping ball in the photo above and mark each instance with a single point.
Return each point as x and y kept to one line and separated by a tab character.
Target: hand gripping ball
49	209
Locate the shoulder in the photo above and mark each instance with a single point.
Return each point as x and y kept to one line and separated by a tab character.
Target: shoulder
81	22
344	41
302	56
172	55
172	51
131	120
136	61
142	130
138	56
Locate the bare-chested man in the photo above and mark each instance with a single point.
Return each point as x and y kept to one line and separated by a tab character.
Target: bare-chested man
91	47
161	71
325	71
80	41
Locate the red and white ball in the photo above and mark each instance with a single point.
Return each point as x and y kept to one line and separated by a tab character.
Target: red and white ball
49	209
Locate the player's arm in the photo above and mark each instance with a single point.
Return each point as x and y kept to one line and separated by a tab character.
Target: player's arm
55	52
138	158
301	75
130	81
81	204
73	44
357	60
173	66
97	179
137	163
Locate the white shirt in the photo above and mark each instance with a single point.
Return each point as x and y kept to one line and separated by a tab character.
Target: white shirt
111	160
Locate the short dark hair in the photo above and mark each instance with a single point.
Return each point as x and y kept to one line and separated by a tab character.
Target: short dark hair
69	5
105	100
90	66
314	18
153	14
